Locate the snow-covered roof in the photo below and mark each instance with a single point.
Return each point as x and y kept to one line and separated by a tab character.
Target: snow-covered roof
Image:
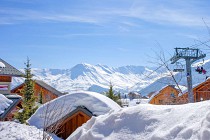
183	88
58	108
4	103
9	70
2	65
7	103
149	122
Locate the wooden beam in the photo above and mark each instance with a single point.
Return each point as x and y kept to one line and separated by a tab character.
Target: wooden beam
5	79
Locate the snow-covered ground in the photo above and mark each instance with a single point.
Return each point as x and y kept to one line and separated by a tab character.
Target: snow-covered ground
150	122
4	103
16	131
141	122
133	102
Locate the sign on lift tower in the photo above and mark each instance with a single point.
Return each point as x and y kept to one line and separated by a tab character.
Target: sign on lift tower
190	55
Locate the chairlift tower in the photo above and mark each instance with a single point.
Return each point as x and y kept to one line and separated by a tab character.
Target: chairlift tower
190	55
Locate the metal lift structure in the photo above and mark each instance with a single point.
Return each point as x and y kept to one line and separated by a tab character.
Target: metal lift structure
190	55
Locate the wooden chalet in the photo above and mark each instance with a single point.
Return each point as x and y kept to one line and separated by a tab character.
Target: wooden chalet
68	112
69	123
166	96
6	73
40	87
201	92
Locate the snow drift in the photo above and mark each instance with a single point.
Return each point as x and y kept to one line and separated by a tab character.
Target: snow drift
16	131
150	122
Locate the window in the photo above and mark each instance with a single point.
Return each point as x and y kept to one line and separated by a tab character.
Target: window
4	87
160	101
173	95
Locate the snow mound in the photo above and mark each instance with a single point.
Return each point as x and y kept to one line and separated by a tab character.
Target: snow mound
4	103
150	122
56	109
16	131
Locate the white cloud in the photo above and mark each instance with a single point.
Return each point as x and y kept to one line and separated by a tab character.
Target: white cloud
174	13
79	34
21	15
143	10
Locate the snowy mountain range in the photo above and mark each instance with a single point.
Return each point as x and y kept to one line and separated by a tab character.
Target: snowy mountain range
95	78
98	77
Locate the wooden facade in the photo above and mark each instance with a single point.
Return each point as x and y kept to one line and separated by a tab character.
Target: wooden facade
10	116
7	71
6	74
166	96
201	92
68	124
48	93
5	79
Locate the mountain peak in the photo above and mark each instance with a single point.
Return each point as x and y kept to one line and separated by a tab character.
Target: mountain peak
80	70
85	76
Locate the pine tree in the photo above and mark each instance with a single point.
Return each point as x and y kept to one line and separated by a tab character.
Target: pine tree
112	96
40	97
28	96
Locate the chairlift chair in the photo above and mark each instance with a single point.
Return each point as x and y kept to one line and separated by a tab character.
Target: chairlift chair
200	68
178	67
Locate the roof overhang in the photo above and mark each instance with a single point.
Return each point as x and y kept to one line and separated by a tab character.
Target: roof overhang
16	99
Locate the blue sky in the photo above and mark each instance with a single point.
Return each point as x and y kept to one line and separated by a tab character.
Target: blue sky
62	33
